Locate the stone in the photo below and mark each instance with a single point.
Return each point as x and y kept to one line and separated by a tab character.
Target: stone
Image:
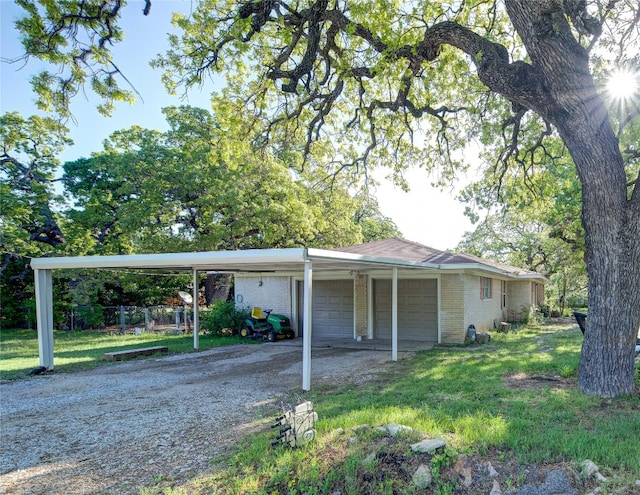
396	429
600	478
340	431
556	483
589	468
422	477
637	482
428	445
495	490
369	459
483	338
464	468
491	470
360	428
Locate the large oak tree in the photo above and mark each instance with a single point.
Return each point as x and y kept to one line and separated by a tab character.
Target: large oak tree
361	82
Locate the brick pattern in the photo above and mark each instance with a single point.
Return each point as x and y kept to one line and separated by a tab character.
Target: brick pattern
274	293
452	309
519	298
484	314
360	304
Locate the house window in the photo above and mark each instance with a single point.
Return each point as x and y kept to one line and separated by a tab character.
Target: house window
485	288
503	288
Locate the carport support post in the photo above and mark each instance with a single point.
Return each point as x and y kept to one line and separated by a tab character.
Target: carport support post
196	336
44	316
307	318
394	315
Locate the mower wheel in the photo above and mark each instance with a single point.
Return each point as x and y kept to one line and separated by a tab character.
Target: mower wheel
290	334
272	337
245	332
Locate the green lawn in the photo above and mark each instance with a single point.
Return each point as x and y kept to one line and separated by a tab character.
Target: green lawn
513	401
78	350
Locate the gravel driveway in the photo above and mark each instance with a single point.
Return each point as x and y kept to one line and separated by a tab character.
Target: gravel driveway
112	429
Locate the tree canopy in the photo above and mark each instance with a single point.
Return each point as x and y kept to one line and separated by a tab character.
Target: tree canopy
341	86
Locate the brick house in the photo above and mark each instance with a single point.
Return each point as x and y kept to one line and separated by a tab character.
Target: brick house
392	290
439	294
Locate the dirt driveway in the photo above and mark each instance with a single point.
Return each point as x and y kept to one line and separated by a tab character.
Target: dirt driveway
112	429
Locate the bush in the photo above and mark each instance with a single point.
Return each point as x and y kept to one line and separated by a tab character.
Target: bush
224	318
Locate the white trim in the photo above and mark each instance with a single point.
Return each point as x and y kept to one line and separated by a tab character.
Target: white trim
370	313
308	324
439	304
196	316
44	316
394	314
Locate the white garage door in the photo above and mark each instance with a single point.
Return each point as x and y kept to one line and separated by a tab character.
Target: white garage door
332	308
417	310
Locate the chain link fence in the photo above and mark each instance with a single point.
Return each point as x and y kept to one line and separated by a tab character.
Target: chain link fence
130	319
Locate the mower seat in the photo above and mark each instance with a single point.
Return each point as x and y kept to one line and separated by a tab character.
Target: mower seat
257	313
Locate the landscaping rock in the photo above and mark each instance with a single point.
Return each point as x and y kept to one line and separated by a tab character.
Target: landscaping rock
491	470
428	445
483	338
495	490
422	477
556	483
464	468
396	429
369	459
589	468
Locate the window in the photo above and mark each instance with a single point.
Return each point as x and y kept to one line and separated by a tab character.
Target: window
485	288
503	302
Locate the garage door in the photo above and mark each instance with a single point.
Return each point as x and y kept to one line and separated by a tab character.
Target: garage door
417	310
332	308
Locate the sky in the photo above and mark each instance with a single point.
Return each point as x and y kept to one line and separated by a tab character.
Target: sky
426	214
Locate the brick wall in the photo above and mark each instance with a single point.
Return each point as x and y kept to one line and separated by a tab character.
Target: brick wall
274	293
452	309
483	313
360	305
518	299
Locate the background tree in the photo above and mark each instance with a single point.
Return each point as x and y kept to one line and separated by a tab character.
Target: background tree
29	225
384	82
204	186
536	221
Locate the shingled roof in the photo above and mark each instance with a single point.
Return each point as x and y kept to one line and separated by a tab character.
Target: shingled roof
402	249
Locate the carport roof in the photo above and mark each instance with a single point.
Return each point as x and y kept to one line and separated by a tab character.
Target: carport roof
393	252
250	260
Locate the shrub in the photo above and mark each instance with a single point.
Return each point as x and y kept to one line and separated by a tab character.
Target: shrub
224	318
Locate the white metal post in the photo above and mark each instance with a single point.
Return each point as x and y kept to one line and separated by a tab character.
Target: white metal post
196	335
44	316
306	335
394	315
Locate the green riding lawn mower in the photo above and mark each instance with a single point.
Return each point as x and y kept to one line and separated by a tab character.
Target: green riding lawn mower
266	326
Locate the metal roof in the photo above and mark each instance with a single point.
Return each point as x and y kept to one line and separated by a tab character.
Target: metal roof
391	253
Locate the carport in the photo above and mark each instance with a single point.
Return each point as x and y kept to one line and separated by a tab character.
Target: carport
300	260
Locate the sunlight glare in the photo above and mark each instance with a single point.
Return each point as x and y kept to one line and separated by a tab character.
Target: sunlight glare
622	84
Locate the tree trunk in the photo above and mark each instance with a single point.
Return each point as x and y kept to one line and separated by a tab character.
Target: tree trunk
216	287
610	216
612	241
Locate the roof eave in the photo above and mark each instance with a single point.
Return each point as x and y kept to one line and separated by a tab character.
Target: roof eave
490	269
327	255
173	260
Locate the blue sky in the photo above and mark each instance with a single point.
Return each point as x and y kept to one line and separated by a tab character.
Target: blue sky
426	215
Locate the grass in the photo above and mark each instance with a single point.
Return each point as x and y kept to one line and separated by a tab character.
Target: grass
83	350
513	402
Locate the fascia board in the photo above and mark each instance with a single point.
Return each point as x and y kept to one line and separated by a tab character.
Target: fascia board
173	260
462	267
326	255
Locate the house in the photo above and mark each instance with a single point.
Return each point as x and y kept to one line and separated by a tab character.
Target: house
439	294
393	289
